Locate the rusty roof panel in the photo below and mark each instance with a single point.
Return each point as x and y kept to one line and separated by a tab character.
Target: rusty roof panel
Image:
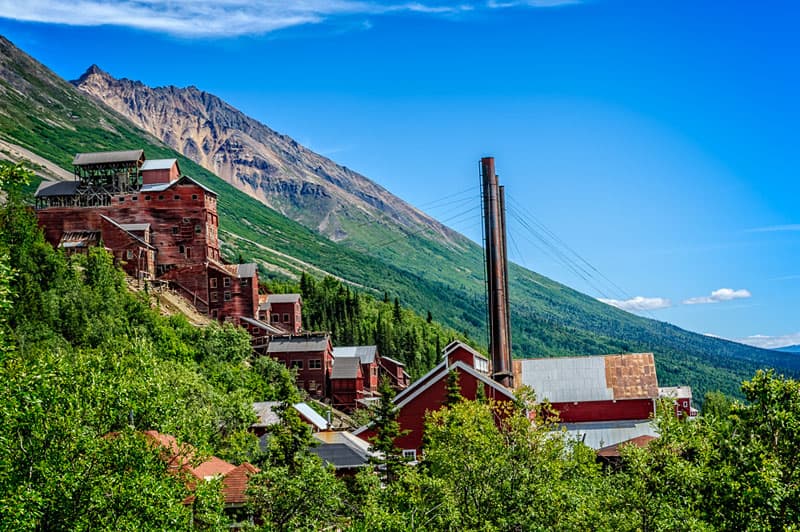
632	376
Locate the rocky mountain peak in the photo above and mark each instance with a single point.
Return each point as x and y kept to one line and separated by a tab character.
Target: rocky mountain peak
269	166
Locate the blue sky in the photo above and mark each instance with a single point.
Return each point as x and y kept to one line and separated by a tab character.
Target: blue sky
656	139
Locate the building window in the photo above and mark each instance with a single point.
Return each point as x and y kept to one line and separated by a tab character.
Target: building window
226	282
212	282
121	200
197	229
686	404
214	313
227	296
315	364
410	455
312	386
130	254
176	197
244	282
175	230
161	196
297	364
188	253
275	318
194	197
374	371
214	298
134	198
286	318
148	198
181	249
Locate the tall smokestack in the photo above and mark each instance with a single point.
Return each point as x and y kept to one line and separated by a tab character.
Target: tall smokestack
496	273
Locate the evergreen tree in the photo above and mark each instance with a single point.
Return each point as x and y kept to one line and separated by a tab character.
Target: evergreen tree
453	389
387	430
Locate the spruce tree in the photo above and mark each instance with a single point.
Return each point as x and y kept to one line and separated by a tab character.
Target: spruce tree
387	430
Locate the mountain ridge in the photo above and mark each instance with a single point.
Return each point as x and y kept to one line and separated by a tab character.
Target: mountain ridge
42	113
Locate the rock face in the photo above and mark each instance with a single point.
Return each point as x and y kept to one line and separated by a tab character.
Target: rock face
271	167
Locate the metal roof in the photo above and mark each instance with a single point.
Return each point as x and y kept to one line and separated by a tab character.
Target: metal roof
342	450
161	187
600	434
675	392
105	157
79	239
365	353
264	325
282	298
311	415
393	361
295	344
135	227
345	368
121	228
59	188
159	164
265	412
593	378
246	270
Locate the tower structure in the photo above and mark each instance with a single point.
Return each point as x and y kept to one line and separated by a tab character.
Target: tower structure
496	273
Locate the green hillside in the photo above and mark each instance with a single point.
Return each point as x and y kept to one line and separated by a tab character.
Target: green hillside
47	115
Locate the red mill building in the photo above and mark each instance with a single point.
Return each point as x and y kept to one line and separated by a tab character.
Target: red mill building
157	224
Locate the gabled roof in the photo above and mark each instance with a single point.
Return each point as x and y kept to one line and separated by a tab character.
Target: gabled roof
161	187
234	484
239	271
393	361
159	164
591	378
346	368
456	344
311	415
366	353
599	434
48	189
435	375
282	298
296	344
127	232
213	467
105	157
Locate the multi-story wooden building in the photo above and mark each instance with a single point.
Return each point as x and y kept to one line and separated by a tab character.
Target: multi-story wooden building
157	223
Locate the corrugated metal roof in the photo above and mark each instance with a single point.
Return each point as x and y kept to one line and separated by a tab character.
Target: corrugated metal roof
613	450
311	415
282	298
294	344
342	450
392	361
593	378
158	164
365	353
59	188
79	239
263	325
675	392
265	412
105	157
345	368
599	434
161	187
246	270
135	227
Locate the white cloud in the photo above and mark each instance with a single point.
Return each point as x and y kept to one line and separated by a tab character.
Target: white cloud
228	18
771	342
723	294
638	303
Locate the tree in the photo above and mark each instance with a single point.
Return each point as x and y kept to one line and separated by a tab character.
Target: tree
454	389
389	458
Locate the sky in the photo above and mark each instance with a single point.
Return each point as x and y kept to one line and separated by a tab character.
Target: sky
648	148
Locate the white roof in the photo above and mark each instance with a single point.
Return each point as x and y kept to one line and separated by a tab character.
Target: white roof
158	164
562	380
599	434
311	416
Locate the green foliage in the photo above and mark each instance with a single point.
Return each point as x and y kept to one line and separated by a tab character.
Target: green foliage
389	459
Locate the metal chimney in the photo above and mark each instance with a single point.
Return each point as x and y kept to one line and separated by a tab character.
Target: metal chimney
496	273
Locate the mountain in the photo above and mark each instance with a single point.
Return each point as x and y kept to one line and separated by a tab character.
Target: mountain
268	166
429	267
789	349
